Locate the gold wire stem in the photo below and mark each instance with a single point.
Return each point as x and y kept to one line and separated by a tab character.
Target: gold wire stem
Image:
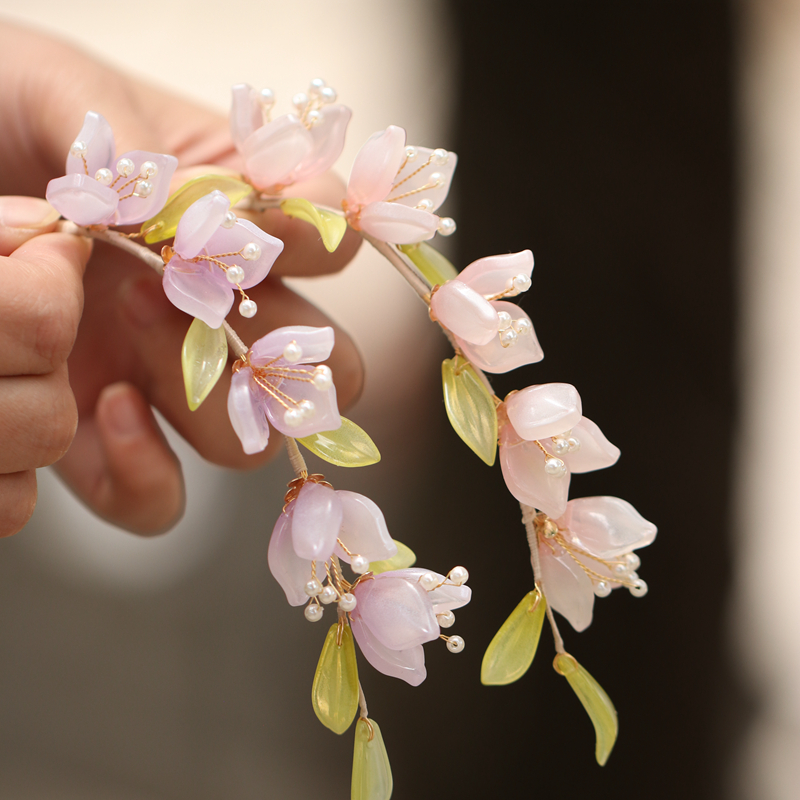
296	457
362	702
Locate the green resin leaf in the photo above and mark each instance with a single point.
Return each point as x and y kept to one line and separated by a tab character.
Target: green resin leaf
470	407
402	559
334	694
372	774
597	703
204	356
510	654
165	223
347	446
430	262
330	226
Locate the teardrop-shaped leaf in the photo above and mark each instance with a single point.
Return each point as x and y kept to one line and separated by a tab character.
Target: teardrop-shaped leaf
203	358
430	262
330	226
510	654
164	224
402	559
347	446
597	703
372	774
334	693
470	407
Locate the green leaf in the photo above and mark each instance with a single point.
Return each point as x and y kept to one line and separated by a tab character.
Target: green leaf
430	262
165	223
597	703
334	693
347	446
510	654
470	407
203	358
331	226
372	774
402	559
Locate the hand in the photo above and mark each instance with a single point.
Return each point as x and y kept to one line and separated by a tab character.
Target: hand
127	350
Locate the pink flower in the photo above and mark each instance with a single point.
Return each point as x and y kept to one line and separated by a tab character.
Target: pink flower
397	612
544	438
293	147
101	190
494	335
215	254
274	386
394	189
588	551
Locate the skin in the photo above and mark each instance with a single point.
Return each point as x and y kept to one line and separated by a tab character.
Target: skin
88	340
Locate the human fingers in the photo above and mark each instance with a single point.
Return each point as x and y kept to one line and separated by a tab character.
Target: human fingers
17	500
22	218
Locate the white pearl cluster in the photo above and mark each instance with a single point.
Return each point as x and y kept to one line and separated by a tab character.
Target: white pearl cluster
623	572
322	377
509	330
326	595
294	417
566	443
307	103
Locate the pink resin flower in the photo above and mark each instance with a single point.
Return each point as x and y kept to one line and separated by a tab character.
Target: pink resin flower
216	254
494	335
291	148
588	551
275	386
397	612
320	523
100	189
544	438
394	189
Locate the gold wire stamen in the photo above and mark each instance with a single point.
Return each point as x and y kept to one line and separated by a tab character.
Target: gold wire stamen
412	174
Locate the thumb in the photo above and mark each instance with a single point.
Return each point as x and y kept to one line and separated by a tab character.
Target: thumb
22	218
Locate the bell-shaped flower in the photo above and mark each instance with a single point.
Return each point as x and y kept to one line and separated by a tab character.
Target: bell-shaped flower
544	438
293	147
317	523
587	552
394	189
274	385
397	612
214	255
494	335
101	189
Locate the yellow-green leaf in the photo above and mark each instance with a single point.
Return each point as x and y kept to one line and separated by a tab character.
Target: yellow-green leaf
597	703
334	694
510	654
372	774
164	224
470	407
430	262
204	355
347	446
402	559
330	226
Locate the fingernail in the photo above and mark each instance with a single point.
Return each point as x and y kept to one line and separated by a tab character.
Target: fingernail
144	302
121	412
26	213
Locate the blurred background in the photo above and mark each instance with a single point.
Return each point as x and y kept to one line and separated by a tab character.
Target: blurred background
647	154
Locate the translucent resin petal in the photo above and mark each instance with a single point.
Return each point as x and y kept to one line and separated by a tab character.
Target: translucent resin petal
316	344
348	446
596	451
199	222
470	408
416	181
328	140
493	274
204	355
597	703
372	775
247	420
273	151
465	312
96	134
392	222
405	558
430	262
334	693
82	199
408	665
133	207
546	410
510	654
197	290
330	226
164	224
291	572
568	588
375	166
363	530
316	521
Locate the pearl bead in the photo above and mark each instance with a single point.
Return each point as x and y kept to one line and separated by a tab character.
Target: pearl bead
316	86
293	417
425	205
323	378
248	308
306	408
328	94
555	467
229	221
602	589
292	352
621	570
411	153
313	587
300	100
348	602
359	564
633	561
234	274
458	575
447	226
104	176
508	337
328	594
574	444
522	326
503	320
455	644
125	167
313	118
440	156
437	179
561	446
267	98
148	169
639	588
521	283
143	189
78	149
429	581
251	251
313	612
446	619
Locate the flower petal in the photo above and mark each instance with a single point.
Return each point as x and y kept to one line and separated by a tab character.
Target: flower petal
375	167
328	140
196	290
364	530
398	224
137	209
465	312
493	274
291	572
325	416
246	417
199	222
273	151
444	598
96	134
316	520
596	451
246	116
231	240
568	589
82	199
316	344
546	410
408	664
431	182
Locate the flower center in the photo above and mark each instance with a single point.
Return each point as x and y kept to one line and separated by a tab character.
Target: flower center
142	185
